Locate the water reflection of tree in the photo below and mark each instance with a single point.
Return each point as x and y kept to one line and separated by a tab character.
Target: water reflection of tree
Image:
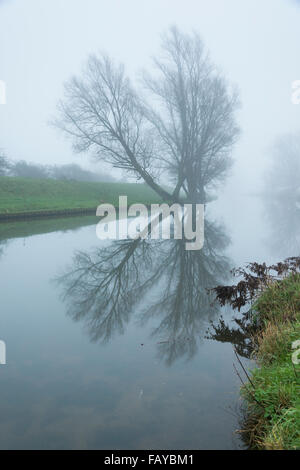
3	244
240	335
103	288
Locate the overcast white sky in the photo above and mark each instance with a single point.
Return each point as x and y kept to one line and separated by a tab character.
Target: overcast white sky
44	42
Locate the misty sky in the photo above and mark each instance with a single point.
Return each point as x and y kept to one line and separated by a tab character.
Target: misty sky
42	43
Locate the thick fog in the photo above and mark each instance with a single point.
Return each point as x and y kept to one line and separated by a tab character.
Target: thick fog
120	326
255	43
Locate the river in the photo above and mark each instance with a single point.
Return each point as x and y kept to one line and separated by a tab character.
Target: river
107	343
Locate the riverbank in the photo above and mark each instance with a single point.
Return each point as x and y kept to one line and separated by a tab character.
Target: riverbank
27	198
272	393
28	227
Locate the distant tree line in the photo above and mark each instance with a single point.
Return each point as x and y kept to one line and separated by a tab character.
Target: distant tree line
69	172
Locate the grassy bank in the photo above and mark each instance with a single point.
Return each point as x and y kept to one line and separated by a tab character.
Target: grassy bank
273	391
21	195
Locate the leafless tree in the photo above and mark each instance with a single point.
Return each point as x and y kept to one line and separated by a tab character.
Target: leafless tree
4	164
180	123
281	195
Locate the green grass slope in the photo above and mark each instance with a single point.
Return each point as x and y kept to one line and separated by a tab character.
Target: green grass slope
18	195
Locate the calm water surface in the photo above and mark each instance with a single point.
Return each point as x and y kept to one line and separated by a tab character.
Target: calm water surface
106	342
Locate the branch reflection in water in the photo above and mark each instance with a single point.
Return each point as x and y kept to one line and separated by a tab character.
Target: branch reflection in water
148	279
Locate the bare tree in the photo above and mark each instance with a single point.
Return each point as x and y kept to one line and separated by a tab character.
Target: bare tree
281	195
4	164
180	124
